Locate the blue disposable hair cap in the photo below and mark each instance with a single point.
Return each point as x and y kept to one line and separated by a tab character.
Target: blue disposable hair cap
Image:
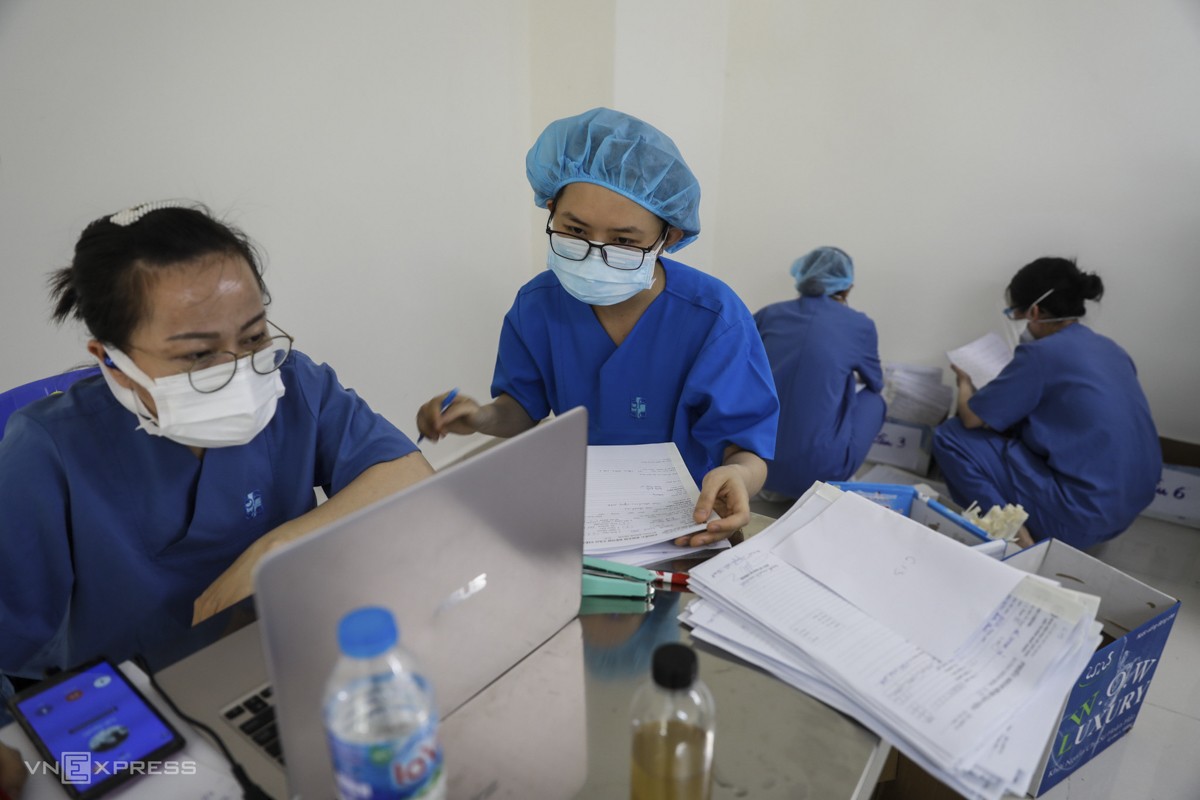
621	153
824	271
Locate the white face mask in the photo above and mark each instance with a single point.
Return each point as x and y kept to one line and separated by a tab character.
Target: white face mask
593	282
1016	332
230	416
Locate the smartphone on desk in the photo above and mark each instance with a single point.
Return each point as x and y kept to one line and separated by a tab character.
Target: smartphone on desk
94	730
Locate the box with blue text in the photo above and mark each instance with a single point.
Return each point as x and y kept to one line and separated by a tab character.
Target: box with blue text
1107	696
904	445
1177	496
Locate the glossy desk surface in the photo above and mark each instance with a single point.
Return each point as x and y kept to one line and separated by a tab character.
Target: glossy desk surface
562	717
771	741
557	725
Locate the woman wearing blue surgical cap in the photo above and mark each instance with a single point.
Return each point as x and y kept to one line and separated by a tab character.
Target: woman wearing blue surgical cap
820	350
655	350
1064	430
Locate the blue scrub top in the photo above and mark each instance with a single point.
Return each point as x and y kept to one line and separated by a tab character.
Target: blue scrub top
109	534
692	371
1091	450
816	346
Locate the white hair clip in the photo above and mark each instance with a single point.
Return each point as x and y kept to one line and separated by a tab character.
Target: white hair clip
132	215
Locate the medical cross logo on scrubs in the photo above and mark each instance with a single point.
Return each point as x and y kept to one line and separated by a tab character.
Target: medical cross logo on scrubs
254	504
637	408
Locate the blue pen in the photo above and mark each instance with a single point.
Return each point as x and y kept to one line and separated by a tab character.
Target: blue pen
445	404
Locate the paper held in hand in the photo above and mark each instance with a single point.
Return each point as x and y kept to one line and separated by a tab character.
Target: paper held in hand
982	359
638	497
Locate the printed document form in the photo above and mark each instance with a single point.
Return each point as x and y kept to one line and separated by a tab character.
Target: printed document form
907	577
979	718
637	495
916	394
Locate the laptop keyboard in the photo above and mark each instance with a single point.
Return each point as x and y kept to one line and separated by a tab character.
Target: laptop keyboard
254	717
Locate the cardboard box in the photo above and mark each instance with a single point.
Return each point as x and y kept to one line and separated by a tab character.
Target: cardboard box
904	445
908	501
1177	498
1109	692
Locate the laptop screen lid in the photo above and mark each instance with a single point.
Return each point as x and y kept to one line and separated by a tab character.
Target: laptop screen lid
480	563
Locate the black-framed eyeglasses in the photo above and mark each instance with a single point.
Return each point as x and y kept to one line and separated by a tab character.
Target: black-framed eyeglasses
211	373
618	256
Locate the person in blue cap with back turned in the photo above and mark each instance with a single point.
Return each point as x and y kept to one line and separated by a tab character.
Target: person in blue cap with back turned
825	359
655	350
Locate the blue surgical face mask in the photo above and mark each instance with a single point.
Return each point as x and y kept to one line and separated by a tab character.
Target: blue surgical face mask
593	282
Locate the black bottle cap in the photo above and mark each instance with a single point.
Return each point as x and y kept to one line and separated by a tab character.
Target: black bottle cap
674	666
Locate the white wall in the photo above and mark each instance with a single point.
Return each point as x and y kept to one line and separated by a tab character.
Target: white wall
946	144
376	151
373	149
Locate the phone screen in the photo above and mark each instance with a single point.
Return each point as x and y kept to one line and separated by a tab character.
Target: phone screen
96	727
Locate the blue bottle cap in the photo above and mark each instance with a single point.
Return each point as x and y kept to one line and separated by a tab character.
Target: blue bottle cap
367	632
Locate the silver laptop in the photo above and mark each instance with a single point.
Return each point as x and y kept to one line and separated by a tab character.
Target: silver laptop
481	565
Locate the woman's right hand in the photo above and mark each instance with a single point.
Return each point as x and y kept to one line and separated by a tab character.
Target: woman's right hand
12	771
461	417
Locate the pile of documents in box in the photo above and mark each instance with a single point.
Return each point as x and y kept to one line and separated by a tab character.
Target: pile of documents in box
639	499
917	401
960	661
916	394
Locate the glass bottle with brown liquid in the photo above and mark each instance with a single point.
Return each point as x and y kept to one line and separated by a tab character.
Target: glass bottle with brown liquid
673	723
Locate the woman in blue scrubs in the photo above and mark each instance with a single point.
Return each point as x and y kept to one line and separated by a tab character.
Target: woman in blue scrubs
193	454
1064	430
655	350
825	359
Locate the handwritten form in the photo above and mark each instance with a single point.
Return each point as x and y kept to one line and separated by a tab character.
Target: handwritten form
982	359
977	719
637	495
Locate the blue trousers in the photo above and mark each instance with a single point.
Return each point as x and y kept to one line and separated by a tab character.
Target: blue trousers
981	466
866	420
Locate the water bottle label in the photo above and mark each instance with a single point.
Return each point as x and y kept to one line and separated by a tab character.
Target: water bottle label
400	768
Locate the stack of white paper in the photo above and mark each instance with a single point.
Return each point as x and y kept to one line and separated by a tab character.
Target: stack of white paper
961	661
916	394
982	359
640	498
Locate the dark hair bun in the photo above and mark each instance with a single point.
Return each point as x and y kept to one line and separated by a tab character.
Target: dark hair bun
1090	286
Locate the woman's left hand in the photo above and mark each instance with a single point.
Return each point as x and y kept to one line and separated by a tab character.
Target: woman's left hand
235	584
723	491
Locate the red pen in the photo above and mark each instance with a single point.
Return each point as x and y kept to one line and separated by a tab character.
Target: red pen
677	578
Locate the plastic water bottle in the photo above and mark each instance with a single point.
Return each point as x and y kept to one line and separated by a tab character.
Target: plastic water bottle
673	724
380	717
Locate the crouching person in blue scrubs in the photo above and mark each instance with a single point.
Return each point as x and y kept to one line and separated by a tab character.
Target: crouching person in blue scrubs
820	350
194	453
1064	430
655	350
